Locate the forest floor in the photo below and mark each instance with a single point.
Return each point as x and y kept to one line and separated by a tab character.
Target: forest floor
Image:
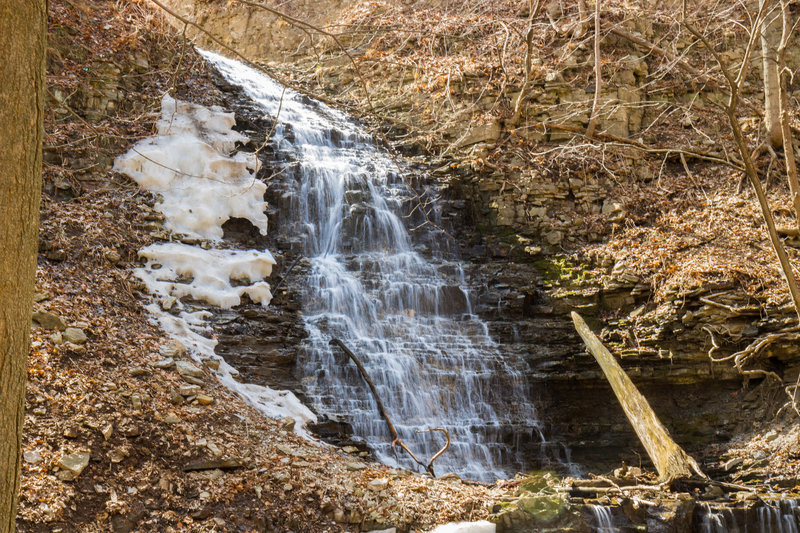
157	460
108	442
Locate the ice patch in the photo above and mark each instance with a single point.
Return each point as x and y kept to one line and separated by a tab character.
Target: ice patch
179	270
188	164
481	526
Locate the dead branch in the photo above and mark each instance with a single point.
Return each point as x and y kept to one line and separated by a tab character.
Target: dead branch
438	454
644	43
670	460
609	138
396	440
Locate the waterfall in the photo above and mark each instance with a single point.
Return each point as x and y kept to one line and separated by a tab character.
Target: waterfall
602	519
407	316
779	516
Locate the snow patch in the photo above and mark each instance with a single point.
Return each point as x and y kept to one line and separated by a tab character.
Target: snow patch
200	186
179	270
481	526
189	165
189	329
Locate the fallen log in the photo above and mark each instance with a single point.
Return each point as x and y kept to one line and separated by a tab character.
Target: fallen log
670	460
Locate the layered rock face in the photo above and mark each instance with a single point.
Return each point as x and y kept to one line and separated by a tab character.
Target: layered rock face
512	227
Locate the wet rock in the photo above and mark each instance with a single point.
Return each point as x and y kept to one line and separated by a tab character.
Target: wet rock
354	467
75	462
75	335
48	320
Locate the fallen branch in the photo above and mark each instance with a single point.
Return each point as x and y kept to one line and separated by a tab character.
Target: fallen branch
397	441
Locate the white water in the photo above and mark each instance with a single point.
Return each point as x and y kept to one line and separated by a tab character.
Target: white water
408	318
602	519
779	516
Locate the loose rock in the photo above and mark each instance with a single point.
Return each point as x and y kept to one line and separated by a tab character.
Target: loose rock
75	335
48	320
75	462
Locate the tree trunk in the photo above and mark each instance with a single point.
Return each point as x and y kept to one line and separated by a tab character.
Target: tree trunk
769	61
23	26
670	460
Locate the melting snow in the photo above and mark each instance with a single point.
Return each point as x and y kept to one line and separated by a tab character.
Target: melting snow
481	526
200	186
207	273
189	166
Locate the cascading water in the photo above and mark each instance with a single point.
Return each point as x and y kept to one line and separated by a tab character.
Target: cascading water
780	516
602	519
408	318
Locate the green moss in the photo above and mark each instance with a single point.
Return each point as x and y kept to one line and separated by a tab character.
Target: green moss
563	271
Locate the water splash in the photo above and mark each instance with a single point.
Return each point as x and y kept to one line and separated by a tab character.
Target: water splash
409	318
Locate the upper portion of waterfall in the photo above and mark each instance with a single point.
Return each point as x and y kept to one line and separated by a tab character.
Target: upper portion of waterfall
407	316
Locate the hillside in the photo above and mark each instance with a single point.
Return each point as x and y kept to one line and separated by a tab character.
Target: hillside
648	227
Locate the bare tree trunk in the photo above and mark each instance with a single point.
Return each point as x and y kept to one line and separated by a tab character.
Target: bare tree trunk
598	80
771	76
783	101
523	92
670	460
23	26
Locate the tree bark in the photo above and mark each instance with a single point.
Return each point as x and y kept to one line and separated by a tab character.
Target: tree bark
783	101
598	69
23	26
771	76
670	460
